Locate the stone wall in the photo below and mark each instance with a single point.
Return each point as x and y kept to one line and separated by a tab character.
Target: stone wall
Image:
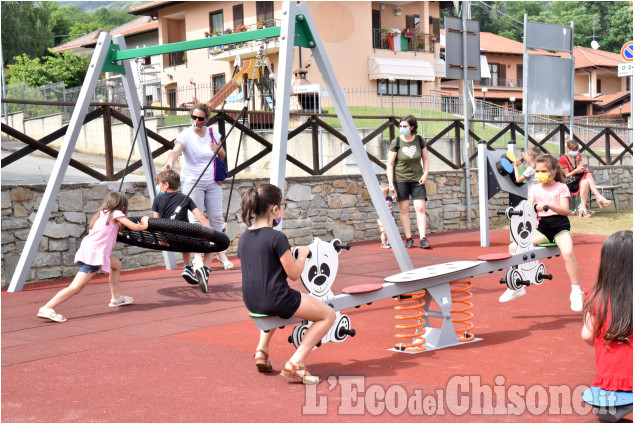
326	207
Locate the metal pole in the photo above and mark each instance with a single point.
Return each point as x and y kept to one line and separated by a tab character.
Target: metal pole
4	91
482	193
572	85
525	77
466	118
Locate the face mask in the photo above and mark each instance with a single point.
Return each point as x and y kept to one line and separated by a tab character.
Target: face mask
158	190
404	131
196	124
542	177
574	153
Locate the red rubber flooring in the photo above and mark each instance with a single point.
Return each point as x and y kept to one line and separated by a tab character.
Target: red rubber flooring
178	355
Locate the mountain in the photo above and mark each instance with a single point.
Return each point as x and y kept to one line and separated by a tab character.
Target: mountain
93	6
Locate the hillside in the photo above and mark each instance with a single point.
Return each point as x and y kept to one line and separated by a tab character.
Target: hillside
93	6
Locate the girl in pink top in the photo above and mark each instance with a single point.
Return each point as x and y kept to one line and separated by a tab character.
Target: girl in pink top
551	197
608	314
94	253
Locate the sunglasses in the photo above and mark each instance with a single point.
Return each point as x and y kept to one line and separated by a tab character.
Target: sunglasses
195	118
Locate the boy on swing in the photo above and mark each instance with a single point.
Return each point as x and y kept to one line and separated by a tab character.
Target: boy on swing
164	206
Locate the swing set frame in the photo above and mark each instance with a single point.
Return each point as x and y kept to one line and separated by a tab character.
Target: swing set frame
111	55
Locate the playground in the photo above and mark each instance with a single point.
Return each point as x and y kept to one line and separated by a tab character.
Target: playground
178	355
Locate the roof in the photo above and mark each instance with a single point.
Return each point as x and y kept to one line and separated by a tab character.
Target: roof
606	99
624	108
136	26
148	8
506	94
589	58
495	44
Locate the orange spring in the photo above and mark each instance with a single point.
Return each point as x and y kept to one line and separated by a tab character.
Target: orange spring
458	288
417	312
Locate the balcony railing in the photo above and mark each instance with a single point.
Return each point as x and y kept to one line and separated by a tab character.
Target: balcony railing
501	82
417	42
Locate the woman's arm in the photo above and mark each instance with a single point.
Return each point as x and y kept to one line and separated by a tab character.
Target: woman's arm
143	225
390	171
588	329
221	151
174	155
293	267
426	166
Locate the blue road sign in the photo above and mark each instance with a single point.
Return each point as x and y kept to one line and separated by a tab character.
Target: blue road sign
627	52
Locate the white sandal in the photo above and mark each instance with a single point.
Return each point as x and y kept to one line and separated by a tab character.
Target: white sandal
227	265
122	300
49	313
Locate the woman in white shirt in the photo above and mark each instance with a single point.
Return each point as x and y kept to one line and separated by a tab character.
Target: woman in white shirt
198	144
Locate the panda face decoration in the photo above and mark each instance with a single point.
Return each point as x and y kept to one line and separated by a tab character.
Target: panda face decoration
320	268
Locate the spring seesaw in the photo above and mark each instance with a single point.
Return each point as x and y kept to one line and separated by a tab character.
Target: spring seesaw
446	285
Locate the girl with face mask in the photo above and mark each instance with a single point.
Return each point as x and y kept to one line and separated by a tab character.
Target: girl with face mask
266	263
407	172
551	197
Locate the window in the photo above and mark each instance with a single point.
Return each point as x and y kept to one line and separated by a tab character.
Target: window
218	82
216	21
598	86
264	11
399	87
628	84
171	92
238	15
494	70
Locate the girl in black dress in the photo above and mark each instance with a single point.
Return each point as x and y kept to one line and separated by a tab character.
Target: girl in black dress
266	263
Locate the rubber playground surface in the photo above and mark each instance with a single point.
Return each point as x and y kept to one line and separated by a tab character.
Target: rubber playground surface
178	355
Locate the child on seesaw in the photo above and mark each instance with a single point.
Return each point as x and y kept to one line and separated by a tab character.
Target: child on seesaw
529	156
164	206
553	224
95	252
267	262
608	314
388	198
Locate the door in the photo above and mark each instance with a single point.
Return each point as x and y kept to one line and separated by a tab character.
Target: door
376	27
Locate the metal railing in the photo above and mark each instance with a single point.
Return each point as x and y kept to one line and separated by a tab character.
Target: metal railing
416	41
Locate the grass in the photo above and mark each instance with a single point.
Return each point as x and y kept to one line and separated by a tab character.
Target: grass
604	222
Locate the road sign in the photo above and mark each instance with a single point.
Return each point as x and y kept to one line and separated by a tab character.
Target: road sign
627	52
625	69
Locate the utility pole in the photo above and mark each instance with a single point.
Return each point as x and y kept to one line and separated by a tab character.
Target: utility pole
466	114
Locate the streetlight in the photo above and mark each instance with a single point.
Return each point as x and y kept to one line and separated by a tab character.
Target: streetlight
484	90
512	99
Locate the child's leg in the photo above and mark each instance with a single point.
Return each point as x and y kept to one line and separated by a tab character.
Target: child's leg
384	239
323	317
81	279
512	247
208	258
539	238
565	243
187	258
263	344
113	278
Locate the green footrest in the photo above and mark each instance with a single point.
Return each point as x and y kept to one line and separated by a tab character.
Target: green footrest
548	244
252	314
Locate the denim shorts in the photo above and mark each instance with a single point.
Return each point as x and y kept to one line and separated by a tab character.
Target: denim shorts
87	268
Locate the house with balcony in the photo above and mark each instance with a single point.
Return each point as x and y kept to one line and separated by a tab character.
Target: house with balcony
355	36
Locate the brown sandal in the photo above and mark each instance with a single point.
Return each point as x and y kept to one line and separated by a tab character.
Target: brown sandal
306	378
263	365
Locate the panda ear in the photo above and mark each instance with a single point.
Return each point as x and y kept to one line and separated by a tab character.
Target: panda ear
294	252
337	244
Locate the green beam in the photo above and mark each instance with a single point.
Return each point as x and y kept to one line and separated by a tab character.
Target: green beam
203	43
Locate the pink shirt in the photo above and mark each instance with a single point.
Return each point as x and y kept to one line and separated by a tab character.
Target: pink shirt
97	246
549	195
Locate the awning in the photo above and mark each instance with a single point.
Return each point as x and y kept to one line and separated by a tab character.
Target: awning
399	69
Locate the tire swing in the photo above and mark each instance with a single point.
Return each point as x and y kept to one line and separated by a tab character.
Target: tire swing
169	234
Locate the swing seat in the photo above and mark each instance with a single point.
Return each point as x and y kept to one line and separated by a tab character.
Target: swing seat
173	235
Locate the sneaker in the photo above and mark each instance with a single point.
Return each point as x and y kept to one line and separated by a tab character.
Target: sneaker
423	243
189	275
410	243
202	275
227	265
385	245
511	294
577	300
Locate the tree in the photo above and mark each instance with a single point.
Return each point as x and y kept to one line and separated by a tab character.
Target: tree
69	68
26	29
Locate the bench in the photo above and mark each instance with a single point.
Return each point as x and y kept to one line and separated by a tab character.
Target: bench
609	193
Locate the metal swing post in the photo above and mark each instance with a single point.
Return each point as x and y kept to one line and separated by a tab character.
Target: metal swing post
134	106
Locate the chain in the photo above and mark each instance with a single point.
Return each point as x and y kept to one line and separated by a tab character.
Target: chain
260	58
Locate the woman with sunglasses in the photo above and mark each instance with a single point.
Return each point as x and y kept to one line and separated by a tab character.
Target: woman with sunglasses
407	172
198	144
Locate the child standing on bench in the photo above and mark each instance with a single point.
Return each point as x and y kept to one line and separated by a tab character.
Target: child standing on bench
94	253
608	314
553	224
164	206
267	262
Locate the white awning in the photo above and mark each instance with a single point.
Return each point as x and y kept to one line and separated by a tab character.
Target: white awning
439	67
399	69
485	68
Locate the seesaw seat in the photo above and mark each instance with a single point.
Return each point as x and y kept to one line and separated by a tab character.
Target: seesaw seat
495	256
362	289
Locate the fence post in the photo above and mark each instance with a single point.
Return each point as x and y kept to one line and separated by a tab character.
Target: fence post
607	145
315	144
457	143
561	148
107	120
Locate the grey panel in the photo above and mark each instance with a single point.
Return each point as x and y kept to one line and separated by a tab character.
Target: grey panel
454	49
502	182
548	36
549	85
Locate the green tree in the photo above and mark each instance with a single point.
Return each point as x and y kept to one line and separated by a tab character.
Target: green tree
69	68
26	29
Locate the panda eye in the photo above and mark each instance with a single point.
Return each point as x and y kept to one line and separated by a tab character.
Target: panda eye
521	226
312	273
528	226
324	269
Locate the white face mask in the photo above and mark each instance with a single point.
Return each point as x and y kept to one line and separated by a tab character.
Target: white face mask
574	153
404	131
158	190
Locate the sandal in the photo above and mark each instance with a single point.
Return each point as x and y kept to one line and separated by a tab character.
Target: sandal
122	300
603	202
263	364
227	265
584	213
49	313
306	378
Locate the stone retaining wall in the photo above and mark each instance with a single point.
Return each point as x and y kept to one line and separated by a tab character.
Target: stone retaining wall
325	207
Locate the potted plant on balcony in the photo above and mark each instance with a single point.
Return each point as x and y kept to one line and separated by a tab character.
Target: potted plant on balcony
261	23
394	39
241	28
408	33
227	32
215	33
206	33
383	34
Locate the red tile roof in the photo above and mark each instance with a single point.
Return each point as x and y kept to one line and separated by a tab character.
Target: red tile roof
143	7
589	58
507	94
624	108
136	26
78	42
607	99
495	44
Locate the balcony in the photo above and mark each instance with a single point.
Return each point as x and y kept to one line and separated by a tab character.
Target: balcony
247	49
414	42
501	82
